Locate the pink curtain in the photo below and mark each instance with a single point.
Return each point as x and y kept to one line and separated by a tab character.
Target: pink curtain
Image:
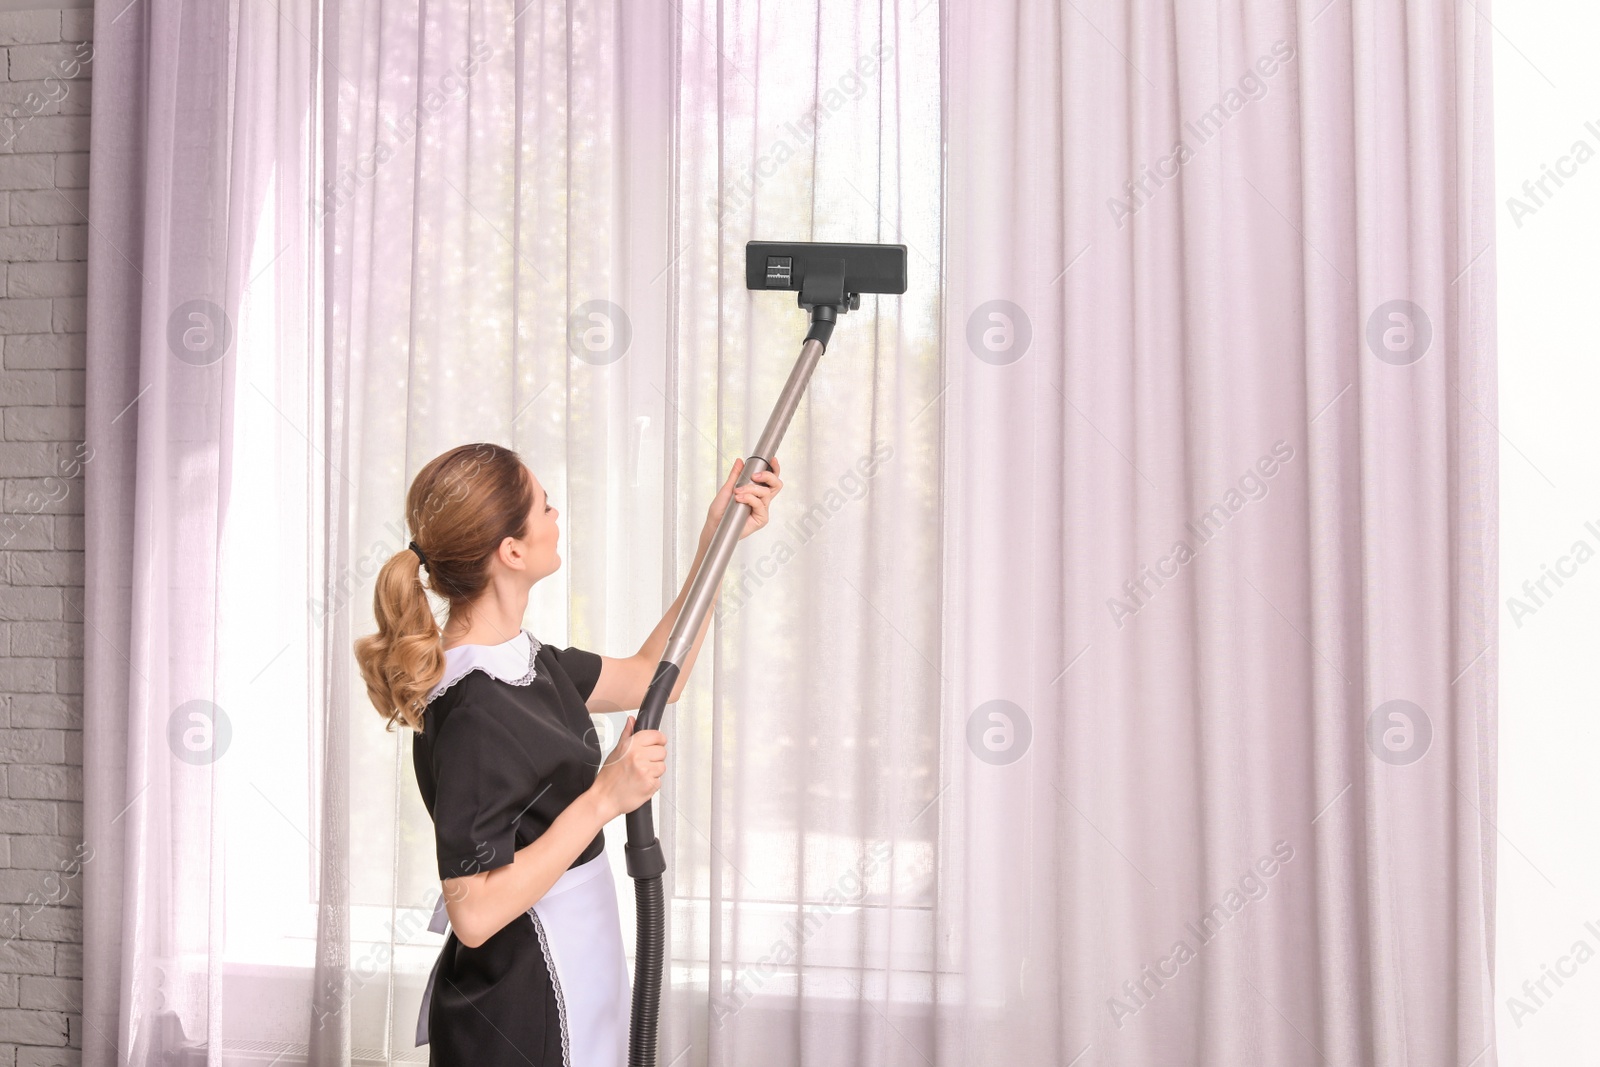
1220	492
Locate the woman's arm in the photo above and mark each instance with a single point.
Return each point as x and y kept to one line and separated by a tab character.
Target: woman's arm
480	905
624	682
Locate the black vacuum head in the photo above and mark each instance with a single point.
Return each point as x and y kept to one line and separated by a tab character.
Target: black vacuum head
833	275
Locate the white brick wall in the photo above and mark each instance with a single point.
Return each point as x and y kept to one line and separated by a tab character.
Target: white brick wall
44	175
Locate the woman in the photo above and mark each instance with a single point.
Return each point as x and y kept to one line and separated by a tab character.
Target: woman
509	768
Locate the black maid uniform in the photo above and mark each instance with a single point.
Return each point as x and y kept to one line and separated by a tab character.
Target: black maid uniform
506	745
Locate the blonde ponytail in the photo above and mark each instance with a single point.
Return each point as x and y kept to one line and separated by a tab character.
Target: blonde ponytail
459	509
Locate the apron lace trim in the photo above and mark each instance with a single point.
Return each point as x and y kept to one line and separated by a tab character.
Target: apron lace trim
555	980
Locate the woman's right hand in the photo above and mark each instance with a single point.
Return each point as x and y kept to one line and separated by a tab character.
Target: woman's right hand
632	772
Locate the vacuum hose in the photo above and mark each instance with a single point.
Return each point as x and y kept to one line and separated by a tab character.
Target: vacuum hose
645	864
650	950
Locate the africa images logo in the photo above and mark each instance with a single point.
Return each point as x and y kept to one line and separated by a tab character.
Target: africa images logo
1251	486
1253	886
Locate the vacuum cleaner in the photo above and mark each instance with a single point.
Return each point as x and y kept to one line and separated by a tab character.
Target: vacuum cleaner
830	279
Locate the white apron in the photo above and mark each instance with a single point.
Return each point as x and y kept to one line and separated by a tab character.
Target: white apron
580	931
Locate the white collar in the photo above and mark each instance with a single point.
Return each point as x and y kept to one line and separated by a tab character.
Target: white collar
510	661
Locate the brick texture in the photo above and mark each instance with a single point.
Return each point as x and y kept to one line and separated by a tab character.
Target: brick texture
44	178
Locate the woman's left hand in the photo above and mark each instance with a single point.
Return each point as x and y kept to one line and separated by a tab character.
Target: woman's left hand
758	493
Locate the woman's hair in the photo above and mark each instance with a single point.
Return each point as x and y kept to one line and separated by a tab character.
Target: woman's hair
461	506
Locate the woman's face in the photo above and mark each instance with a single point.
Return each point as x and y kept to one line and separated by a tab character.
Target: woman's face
543	533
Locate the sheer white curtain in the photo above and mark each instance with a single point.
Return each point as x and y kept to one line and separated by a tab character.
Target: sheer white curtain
555	262
496	205
803	799
199	740
976	744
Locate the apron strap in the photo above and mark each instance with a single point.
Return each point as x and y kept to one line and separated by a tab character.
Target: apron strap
438	923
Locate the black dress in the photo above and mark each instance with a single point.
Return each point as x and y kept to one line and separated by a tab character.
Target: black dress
498	759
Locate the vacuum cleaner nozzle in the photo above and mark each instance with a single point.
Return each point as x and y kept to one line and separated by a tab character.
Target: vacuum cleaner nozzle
830	278
833	274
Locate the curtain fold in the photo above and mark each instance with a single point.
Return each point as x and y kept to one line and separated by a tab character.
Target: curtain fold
1115	683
